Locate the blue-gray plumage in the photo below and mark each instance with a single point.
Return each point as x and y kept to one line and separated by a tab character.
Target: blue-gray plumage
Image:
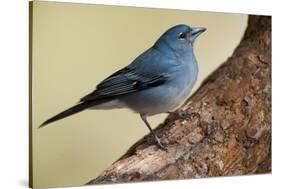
157	81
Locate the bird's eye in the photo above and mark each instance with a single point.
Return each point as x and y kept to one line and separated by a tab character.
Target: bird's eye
182	36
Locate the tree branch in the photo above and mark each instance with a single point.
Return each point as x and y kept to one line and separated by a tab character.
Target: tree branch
223	129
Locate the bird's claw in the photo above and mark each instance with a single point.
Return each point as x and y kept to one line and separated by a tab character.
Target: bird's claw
159	144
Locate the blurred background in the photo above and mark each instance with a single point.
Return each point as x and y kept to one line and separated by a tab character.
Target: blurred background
75	46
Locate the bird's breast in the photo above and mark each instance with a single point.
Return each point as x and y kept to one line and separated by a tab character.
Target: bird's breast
182	85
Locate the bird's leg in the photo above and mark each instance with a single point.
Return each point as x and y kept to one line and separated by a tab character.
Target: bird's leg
143	117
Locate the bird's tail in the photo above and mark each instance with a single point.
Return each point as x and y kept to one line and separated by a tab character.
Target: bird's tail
70	111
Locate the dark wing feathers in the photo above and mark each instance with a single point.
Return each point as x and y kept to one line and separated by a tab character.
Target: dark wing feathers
124	81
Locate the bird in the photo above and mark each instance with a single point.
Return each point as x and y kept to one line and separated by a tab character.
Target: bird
157	81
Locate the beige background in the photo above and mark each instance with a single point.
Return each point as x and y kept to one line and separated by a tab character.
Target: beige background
75	46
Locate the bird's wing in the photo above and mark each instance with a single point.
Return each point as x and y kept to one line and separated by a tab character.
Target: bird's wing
124	81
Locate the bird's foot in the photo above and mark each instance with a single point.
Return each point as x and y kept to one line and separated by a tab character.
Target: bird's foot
160	144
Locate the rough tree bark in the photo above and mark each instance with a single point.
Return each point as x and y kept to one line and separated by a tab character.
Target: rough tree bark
223	129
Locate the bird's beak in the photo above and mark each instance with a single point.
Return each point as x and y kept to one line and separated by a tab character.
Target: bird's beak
196	31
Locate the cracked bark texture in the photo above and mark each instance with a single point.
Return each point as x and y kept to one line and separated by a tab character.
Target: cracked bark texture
224	129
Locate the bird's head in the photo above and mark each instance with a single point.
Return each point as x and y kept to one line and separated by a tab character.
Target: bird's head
179	37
